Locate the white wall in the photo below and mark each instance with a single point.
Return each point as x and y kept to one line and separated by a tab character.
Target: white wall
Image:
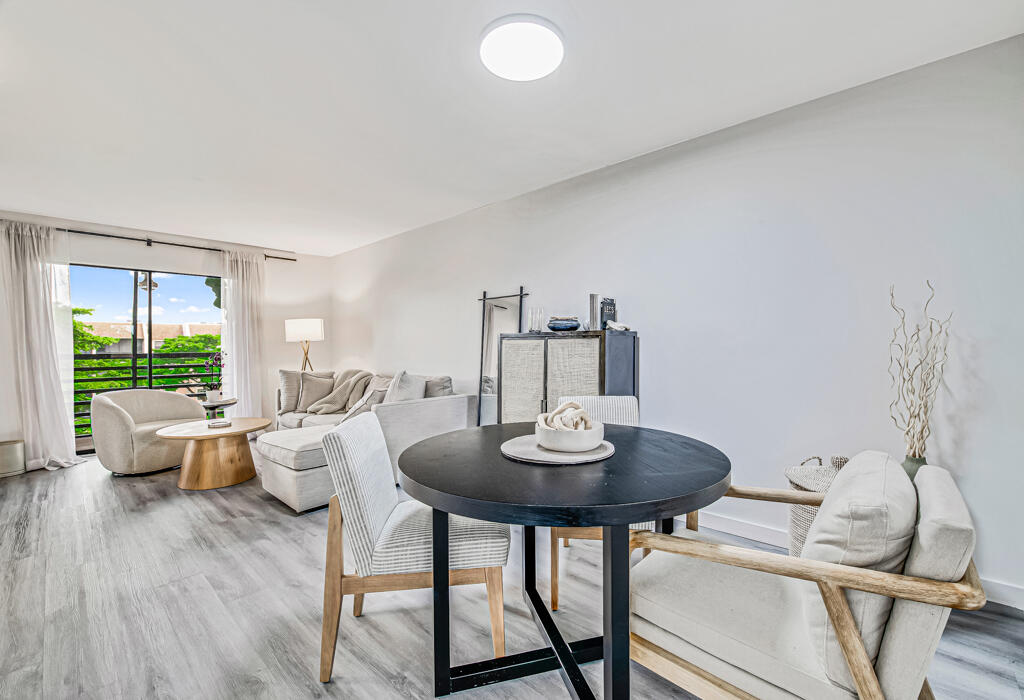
292	289
755	264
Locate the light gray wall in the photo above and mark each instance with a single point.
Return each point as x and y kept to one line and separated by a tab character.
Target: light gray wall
755	264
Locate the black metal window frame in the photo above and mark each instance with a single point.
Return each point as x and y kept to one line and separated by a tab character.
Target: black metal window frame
133	355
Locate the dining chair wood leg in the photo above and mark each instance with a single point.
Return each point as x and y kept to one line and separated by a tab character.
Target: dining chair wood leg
926	692
691	520
496	602
333	570
357	604
850	642
565	542
554	569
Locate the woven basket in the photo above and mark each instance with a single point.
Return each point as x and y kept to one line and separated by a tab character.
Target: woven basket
809	477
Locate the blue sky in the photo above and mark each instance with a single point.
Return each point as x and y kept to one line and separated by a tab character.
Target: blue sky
177	298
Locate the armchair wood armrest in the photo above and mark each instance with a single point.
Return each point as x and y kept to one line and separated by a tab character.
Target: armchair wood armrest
756	493
965	594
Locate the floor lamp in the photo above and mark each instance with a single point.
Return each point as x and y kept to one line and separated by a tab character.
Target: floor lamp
304	331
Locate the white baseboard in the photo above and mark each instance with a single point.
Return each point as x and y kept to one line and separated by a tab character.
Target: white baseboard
1004	593
744	528
996	591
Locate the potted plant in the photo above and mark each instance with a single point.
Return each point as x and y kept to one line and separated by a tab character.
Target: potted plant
916	359
214	363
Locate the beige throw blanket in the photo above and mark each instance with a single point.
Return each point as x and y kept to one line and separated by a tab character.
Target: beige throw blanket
569	416
349	387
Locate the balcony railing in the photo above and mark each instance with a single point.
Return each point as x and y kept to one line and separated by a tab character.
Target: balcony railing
97	373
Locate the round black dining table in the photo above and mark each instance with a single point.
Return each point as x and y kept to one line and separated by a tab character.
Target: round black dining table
653	475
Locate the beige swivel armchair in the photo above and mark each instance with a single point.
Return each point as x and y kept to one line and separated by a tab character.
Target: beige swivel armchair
124	425
858	614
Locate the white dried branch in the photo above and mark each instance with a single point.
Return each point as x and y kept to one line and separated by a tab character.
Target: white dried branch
917	358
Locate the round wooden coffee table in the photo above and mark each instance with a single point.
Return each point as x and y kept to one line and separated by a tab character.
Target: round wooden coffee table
214	457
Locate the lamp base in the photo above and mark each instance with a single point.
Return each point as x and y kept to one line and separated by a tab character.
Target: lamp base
304	344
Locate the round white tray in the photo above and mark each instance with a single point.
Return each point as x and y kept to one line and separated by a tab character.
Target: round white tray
526	449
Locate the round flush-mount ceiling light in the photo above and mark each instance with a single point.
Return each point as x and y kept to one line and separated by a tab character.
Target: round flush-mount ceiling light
521	48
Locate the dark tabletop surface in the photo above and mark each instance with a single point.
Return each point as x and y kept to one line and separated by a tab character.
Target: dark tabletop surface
653	474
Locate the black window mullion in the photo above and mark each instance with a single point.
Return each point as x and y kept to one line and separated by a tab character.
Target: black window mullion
149	338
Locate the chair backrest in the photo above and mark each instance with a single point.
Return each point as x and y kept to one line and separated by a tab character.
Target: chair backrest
618	410
148	405
941	550
357	458
867	519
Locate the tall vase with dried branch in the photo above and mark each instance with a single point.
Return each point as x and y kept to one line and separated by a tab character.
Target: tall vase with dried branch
917	356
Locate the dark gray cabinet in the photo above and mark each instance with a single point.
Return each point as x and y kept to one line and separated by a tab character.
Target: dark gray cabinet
535	369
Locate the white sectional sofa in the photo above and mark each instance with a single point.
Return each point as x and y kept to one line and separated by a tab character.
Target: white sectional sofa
291	461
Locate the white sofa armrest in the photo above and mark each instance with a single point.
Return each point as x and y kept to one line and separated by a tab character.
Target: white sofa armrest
407	422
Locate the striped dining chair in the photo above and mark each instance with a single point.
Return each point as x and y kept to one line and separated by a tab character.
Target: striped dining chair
390	539
617	410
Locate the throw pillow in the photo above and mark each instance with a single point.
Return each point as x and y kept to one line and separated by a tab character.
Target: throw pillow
290	383
312	388
349	387
438	386
867	519
375	393
405	387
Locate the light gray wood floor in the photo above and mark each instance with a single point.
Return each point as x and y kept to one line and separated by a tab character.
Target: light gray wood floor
130	588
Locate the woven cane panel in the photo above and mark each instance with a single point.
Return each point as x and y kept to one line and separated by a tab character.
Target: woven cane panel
573	368
522	379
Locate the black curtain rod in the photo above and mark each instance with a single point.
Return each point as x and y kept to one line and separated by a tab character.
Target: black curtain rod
150	241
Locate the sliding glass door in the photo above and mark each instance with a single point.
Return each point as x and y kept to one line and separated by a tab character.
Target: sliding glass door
141	329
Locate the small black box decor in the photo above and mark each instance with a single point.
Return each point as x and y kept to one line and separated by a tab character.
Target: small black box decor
607	312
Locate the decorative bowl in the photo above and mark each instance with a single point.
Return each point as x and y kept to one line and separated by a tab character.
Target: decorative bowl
570	440
563	323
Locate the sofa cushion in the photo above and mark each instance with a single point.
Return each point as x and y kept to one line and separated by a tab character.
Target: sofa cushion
867	520
292	419
437	386
376	390
348	388
405	387
290	384
313	388
295	449
748	619
314	419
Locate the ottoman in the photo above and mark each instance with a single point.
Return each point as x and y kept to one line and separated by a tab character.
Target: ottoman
293	467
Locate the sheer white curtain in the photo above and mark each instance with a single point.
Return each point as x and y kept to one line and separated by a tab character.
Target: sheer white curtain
242	342
33	283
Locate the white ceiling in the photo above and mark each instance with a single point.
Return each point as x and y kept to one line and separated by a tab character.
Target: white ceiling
322	125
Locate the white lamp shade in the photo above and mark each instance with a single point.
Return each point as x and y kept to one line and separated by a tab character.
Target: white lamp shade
299	329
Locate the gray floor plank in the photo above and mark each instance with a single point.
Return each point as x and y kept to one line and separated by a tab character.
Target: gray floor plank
129	587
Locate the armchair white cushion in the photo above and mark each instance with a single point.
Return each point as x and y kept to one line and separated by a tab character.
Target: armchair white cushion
124	425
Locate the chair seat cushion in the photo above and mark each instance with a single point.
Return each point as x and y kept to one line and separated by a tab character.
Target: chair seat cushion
747	619
328	419
296	449
291	419
404	544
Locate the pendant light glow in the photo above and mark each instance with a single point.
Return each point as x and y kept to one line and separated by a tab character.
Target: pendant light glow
521	48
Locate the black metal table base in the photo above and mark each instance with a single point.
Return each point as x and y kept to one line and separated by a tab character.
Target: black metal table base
564	656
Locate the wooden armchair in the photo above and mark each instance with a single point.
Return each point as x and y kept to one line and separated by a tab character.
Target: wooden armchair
739	632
